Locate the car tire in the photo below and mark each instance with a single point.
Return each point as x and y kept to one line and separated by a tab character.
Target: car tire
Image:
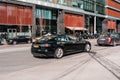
29	41
36	56
99	44
14	42
59	53
87	48
114	43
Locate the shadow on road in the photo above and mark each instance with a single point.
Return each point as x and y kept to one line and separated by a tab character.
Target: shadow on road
106	63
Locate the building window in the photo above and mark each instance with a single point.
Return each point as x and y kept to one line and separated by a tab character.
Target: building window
46	21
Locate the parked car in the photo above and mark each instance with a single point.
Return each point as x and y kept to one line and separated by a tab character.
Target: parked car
85	36
0	39
109	39
19	39
58	45
96	35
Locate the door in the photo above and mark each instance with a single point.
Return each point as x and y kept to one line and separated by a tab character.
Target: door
66	43
81	44
72	43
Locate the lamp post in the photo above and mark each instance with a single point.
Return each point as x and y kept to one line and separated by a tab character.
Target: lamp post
95	17
95	24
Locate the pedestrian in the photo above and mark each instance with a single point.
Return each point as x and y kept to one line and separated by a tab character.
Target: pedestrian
80	36
77	34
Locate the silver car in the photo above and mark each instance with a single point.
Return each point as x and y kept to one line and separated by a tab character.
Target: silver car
109	39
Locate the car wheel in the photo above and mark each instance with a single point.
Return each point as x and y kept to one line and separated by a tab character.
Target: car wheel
14	42
87	47
36	56
29	41
99	44
59	53
114	43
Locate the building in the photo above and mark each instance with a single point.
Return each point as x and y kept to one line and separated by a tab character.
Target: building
59	16
112	10
15	17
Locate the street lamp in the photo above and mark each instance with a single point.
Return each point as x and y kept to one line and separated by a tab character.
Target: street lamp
95	17
95	22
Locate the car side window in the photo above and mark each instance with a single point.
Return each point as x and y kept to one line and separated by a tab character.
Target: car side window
61	39
72	38
115	35
119	35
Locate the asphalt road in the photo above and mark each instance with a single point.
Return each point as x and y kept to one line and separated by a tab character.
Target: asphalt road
102	63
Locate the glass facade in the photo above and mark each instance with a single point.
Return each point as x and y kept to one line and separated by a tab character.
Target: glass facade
92	5
88	5
46	21
70	3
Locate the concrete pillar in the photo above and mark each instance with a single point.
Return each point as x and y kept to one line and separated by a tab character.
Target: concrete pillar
95	24
104	26
60	23
34	22
95	11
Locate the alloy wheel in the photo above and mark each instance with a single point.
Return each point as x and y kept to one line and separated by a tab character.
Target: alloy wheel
87	47
29	41
59	53
14	42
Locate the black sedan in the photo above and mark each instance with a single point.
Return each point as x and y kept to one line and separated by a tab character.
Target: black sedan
19	39
0	39
58	45
109	39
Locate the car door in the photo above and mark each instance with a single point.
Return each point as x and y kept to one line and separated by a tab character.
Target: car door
78	45
24	39
116	37
81	44
21	39
119	37
72	45
66	43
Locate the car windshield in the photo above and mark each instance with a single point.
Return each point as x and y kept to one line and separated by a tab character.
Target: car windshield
109	35
104	35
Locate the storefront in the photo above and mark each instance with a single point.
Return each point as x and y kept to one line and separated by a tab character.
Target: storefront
46	20
74	22
111	26
17	17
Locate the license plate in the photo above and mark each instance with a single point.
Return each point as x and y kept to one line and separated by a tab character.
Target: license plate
102	39
36	46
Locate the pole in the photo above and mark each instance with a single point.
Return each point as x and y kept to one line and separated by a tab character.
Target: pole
95	25
95	17
34	22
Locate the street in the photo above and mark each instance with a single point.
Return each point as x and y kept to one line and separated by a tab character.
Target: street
102	63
